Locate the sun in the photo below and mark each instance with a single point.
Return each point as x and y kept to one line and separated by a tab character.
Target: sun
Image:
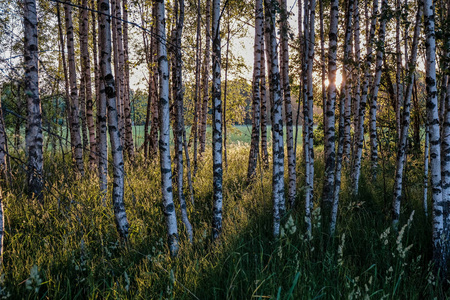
338	80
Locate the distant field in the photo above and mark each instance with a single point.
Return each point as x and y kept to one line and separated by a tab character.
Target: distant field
235	134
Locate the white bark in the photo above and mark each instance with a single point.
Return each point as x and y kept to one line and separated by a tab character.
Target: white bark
343	119
164	139
109	92
34	124
329	143
75	132
256	103
439	256
277	123
359	132
375	88
217	123
401	154
284	58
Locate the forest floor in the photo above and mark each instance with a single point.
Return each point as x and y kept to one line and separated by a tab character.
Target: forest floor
68	248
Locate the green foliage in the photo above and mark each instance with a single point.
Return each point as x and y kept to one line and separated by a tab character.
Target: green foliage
69	247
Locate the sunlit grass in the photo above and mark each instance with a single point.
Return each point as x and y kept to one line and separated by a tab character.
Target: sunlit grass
69	247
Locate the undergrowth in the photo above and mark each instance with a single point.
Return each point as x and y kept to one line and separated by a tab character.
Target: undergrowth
68	248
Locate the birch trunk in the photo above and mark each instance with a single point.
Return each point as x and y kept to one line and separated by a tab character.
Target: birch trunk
304	91
425	169
256	104
102	140
75	134
398	87
263	90
195	127
311	20
357	81
284	53
178	85
217	124
96	74
439	255
375	88
86	69
82	91
329	143
401	154
153	144
343	118
359	132
34	112
129	144
205	84
277	123
164	140
108	93
445	147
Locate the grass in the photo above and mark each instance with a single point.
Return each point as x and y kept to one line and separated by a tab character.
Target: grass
69	249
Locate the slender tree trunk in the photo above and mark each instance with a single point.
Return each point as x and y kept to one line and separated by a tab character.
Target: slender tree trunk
263	90
344	120
164	140
107	94
34	113
129	144
205	84
178	89
84	56
357	91
66	77
224	122
398	86
425	169
75	134
96	73
86	69
445	146
401	154
311	97
323	63
217	124
277	120
284	58
305	93
102	140
329	143
439	255
153	141
197	97
256	105
359	132
375	88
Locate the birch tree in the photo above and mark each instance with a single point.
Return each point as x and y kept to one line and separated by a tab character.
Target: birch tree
401	152
86	79
359	132
178	89
375	88
277	120
217	124
439	255
75	132
345	102
256	104
284	59
329	142
108	95
164	139
205	83
34	112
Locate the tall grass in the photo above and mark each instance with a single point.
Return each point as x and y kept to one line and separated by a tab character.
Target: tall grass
69	249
